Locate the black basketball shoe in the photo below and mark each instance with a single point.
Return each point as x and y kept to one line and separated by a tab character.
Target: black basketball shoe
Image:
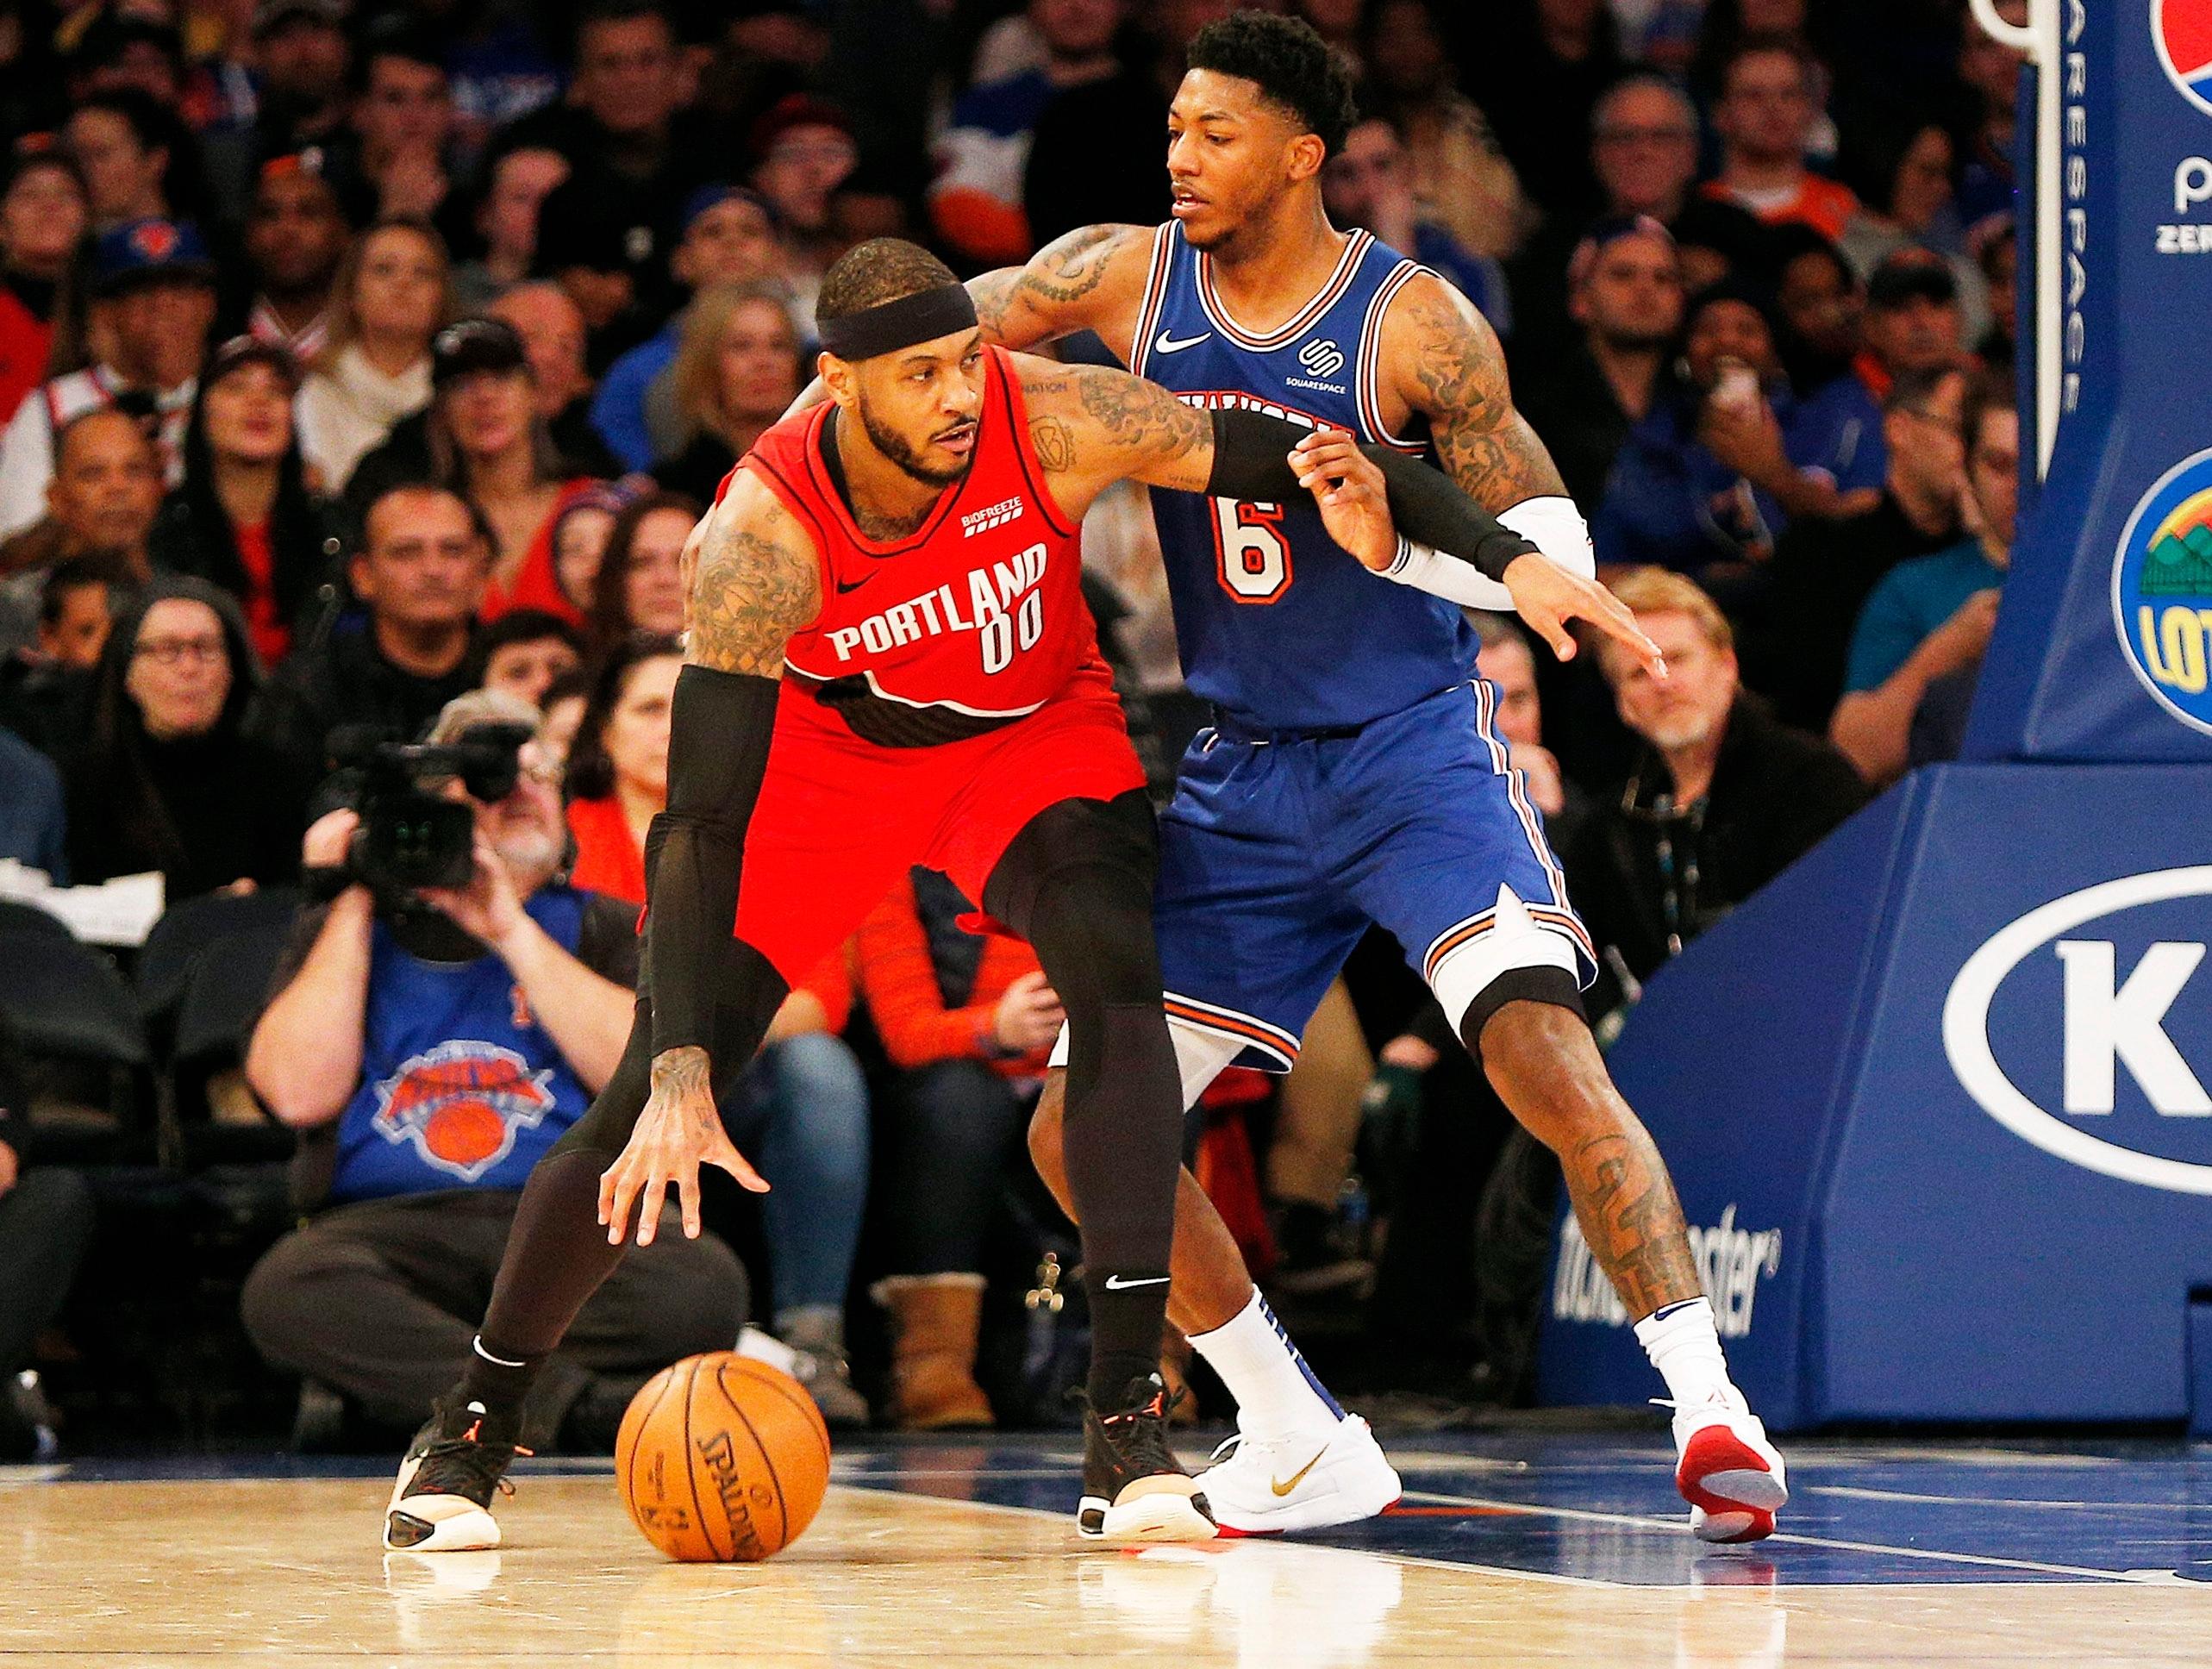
441	1502
1134	1489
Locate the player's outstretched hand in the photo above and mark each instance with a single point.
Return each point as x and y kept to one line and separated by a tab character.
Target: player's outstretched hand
679	1130
1548	596
1354	503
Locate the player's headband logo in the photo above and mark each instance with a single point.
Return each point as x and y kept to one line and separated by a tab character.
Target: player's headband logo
922	317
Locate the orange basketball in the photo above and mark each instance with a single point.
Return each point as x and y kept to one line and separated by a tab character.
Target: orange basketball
721	1458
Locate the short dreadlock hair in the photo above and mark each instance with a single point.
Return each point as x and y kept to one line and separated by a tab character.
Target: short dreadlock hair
881	269
1293	67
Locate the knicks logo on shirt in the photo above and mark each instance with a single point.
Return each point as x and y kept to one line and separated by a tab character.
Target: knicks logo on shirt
1004	607
462	1104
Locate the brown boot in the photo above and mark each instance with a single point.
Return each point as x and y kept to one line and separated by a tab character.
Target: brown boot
934	1320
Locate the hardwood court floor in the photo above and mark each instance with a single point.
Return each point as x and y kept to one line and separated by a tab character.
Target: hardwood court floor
903	1568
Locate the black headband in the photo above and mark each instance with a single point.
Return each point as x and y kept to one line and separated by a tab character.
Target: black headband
922	317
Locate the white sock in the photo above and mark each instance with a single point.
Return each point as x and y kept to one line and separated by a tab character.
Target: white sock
1685	1347
1277	1394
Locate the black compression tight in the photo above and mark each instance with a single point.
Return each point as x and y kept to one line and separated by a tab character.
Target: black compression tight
1076	883
557	1254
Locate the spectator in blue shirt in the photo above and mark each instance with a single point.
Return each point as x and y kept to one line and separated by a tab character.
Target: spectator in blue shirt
730	237
429	1057
1728	454
34	827
1931	618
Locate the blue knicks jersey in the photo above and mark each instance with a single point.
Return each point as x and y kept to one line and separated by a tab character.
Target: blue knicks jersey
1277	625
461	1087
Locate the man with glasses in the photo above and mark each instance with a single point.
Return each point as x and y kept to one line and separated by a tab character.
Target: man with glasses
1926	627
1644	148
429	1049
1823	570
803	152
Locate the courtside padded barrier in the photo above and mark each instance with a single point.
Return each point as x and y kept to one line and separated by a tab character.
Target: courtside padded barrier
1935	1100
1938	1122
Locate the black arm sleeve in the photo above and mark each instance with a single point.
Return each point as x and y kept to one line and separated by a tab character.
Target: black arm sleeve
719	731
1252	461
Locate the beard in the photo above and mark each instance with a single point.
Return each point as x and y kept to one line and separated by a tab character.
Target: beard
1685	730
893	446
529	850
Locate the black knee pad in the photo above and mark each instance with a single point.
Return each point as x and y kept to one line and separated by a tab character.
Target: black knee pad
1092	926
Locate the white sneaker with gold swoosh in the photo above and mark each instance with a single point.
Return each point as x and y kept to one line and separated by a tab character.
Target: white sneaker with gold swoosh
1300	1481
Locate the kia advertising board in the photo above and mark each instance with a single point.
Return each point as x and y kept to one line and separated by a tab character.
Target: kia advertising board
1937	1099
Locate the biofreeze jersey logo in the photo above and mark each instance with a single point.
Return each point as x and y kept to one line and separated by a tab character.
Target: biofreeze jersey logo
991	516
1004	605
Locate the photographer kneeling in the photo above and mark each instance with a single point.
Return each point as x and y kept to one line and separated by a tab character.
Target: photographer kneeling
430	1047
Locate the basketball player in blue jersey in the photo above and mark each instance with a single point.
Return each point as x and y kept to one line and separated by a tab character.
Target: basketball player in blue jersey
1353	773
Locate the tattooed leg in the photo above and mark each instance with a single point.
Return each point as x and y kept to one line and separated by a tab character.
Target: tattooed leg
1545	1066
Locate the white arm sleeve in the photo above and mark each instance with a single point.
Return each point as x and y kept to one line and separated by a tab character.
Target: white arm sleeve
1552	525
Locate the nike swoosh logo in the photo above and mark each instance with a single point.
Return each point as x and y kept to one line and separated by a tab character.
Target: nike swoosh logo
1116	1283
1167	344
1298	1477
842	588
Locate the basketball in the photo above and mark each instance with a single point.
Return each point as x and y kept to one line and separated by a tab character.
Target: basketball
721	1458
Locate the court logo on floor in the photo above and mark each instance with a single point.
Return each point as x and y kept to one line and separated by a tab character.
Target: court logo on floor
2162	591
2183	32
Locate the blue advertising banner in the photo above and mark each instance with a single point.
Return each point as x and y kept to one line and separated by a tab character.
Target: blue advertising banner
2103	646
1938	1112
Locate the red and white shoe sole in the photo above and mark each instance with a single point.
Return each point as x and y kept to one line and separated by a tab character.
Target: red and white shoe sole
1731	1484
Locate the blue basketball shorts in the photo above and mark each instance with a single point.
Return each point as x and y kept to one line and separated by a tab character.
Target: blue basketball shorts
1276	854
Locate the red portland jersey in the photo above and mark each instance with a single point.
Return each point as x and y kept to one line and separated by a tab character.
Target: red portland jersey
970	623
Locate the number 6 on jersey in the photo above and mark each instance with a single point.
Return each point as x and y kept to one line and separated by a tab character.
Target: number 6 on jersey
1255	561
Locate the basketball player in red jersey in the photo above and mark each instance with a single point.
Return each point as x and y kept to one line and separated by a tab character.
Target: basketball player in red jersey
889	662
1210	303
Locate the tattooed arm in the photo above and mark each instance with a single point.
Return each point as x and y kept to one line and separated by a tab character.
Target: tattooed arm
1443	364
1092	279
1449	369
751	581
1090	426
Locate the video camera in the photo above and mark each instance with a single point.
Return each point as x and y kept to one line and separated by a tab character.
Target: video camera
410	836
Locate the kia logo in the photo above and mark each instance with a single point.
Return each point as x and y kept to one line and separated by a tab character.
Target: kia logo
2115	1019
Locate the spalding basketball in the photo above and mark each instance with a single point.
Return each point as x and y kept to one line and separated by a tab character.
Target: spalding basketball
721	1458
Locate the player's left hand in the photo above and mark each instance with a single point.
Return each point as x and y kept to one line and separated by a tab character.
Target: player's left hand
1548	596
1354	503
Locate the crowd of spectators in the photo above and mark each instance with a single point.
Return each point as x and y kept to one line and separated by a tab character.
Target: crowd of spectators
364	365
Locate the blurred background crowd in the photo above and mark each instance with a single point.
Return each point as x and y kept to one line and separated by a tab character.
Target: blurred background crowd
363	368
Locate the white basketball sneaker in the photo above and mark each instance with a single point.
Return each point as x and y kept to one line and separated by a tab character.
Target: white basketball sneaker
1305	1480
1731	1476
441	1500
